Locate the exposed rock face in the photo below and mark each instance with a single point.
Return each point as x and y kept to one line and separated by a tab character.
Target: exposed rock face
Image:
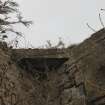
73	76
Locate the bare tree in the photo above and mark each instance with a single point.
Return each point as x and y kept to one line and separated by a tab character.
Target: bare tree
9	16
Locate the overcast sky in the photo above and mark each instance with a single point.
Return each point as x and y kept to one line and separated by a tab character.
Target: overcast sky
61	18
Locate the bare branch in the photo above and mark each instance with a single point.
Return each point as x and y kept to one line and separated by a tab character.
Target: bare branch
7	21
11	30
91	27
101	21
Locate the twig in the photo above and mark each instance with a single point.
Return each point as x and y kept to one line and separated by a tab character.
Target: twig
91	27
101	21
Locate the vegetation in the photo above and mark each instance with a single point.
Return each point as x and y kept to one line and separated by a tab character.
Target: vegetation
9	16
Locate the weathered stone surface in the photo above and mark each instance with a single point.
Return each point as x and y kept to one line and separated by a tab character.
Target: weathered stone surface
77	80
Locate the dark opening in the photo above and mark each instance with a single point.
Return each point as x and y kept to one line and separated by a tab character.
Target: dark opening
41	64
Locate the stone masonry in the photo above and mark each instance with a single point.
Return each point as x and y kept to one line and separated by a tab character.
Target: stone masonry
70	76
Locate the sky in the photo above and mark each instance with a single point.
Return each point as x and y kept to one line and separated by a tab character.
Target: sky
60	18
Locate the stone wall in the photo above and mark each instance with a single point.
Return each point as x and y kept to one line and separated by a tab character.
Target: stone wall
20	87
78	81
89	57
